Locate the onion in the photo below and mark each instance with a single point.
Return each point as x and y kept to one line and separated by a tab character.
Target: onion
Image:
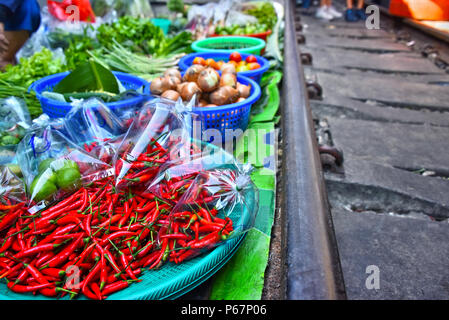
172	82
208	80
228	68
180	86
173	72
171	95
210	106
192	73
224	95
202	103
241	99
243	90
189	90
159	85
228	79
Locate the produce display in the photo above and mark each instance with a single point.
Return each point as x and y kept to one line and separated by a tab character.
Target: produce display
113	228
204	83
115	193
235	58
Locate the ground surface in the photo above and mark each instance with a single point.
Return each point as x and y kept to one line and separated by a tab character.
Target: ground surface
387	108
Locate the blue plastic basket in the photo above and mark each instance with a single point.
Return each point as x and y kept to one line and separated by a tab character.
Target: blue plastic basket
58	109
255	75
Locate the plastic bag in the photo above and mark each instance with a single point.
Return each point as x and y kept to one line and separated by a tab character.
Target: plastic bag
156	136
12	198
53	165
213	201
92	121
15	120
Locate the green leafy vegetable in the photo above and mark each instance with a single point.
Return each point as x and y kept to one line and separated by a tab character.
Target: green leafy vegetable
89	76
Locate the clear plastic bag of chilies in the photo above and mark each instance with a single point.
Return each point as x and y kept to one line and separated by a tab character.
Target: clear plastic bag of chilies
94	126
92	121
54	166
213	199
12	198
157	134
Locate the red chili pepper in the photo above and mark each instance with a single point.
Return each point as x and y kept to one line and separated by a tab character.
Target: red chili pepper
34	250
114	287
64	254
178	236
9	219
22	289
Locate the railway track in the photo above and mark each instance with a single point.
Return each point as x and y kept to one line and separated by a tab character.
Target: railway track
379	100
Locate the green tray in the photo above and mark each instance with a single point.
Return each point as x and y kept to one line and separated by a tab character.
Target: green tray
174	280
229	44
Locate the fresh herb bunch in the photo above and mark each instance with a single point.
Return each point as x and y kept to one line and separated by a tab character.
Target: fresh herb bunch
16	79
264	12
76	53
139	35
40	64
242	30
142	36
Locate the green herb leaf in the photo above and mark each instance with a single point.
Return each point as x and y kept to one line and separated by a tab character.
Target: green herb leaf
89	76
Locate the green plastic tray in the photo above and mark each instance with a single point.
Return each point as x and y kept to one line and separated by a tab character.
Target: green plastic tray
229	44
173	280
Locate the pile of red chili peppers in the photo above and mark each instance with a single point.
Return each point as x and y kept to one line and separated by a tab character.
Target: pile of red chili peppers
106	236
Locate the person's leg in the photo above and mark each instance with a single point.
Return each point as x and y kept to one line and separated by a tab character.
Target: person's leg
360	10
350	13
360	4
322	13
332	10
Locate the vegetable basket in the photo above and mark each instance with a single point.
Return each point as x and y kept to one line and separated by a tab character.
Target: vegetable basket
173	280
233	116
229	44
255	75
58	109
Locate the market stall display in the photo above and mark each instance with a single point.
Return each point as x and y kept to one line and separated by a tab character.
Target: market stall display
187	206
110	179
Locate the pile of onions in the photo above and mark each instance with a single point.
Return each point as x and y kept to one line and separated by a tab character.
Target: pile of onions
204	83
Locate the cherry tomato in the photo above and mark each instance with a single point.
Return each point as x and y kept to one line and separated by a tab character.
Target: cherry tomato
199	60
251	59
210	62
235	56
220	64
242	68
253	66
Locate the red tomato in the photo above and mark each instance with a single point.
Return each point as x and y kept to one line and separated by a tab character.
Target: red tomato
235	56
199	60
253	66
251	58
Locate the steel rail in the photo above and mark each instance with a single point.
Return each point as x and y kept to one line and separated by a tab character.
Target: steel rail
313	270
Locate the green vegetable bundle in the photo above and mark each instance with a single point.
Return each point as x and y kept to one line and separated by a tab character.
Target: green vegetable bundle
263	11
16	79
142	36
242	30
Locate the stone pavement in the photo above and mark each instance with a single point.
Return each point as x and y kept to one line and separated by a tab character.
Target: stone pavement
387	108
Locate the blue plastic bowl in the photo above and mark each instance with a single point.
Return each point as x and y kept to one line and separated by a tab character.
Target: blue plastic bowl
255	75
58	109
